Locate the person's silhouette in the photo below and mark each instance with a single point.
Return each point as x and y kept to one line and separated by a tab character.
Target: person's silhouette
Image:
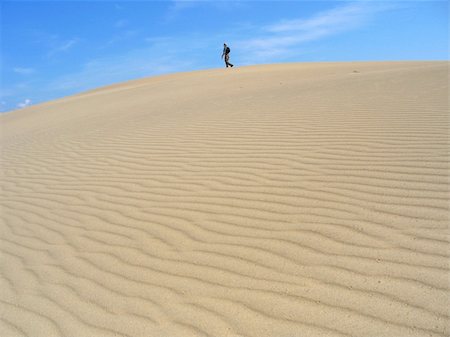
226	53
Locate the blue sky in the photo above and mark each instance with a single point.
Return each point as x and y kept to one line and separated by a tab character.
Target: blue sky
57	48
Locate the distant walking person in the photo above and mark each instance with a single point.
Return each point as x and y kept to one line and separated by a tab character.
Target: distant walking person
226	53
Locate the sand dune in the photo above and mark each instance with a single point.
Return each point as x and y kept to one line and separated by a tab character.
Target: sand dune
276	200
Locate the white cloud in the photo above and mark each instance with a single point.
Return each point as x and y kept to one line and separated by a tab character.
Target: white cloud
23	70
119	37
24	104
339	18
283	37
63	46
161	56
66	45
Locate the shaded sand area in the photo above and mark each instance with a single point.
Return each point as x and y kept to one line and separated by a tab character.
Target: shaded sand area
277	200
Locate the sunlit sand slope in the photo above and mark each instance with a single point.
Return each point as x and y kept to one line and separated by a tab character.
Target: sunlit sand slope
277	200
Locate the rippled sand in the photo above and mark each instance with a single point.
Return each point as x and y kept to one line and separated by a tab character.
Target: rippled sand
277	200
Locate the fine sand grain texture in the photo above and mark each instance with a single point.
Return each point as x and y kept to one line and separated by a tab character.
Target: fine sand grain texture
277	200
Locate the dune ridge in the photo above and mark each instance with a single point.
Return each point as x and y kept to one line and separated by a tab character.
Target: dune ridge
276	200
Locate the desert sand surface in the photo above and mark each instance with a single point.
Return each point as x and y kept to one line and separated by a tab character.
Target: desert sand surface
274	200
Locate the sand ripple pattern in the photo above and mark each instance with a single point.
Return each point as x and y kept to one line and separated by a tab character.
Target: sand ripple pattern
283	200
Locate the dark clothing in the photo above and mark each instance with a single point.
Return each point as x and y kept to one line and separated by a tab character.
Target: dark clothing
226	53
227	58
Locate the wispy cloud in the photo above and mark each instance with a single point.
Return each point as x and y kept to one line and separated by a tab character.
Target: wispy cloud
62	46
160	56
24	70
24	104
283	37
120	37
337	19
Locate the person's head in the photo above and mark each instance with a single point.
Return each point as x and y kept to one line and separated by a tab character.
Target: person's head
224	44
